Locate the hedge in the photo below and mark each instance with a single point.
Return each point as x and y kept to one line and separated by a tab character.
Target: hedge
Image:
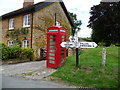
13	52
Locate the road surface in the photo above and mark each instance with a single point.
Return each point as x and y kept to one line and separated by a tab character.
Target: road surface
17	82
11	76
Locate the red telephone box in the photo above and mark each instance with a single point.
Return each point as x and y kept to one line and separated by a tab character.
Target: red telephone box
55	53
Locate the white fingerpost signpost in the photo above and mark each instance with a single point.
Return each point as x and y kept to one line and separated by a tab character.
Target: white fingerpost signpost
75	44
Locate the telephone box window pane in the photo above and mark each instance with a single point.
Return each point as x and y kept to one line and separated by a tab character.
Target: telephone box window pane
52	54
53	58
63	39
53	30
52	40
62	50
52	50
52	62
63	36
52	43
52	46
62	30
52	36
62	53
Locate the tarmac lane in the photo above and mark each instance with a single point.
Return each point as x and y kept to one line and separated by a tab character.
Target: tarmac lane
17	82
11	76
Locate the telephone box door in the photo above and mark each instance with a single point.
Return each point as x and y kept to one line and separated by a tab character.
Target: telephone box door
51	47
56	55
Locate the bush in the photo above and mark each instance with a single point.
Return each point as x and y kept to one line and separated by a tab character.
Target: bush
15	52
117	44
86	39
4	51
26	52
101	44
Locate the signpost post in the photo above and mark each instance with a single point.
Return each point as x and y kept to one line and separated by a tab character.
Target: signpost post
77	50
75	44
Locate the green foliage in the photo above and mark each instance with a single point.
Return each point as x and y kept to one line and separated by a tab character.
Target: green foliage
24	31
4	51
86	39
26	52
17	34
27	74
90	72
15	52
101	44
105	23
77	23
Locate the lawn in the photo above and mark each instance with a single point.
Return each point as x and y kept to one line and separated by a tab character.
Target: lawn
90	72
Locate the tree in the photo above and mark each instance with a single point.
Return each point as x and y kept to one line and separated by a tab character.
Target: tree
105	22
77	23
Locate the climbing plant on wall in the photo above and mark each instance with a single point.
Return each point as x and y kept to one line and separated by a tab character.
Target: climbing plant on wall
17	34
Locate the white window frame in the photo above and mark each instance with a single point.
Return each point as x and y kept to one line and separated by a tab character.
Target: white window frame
10	42
11	24
26	20
57	23
25	43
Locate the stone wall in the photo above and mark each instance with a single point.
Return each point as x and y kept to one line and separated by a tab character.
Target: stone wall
45	18
14	61
18	23
0	31
4	29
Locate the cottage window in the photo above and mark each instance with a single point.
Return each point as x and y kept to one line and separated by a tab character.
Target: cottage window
10	42
11	24
57	23
26	21
25	43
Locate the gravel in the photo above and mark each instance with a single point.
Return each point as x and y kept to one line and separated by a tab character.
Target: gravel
30	70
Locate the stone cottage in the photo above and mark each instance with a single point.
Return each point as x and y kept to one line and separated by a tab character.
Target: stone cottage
33	20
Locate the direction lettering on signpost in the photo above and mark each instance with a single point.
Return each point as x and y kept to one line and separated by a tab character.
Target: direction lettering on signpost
79	44
67	44
87	44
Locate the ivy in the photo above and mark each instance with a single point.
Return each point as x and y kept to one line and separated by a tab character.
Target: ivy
24	31
17	34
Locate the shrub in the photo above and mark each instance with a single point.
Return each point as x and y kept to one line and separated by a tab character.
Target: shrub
26	52
4	51
101	44
86	39
117	44
15	52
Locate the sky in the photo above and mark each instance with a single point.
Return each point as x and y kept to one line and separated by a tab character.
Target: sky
79	7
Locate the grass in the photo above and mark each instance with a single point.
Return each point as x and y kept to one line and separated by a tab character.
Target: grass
90	72
27	74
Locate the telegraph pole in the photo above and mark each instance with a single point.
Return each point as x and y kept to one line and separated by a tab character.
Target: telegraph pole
55	19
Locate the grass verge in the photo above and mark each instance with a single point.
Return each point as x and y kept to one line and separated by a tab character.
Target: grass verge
90	72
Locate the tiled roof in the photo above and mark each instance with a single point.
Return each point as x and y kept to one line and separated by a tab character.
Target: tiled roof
34	8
